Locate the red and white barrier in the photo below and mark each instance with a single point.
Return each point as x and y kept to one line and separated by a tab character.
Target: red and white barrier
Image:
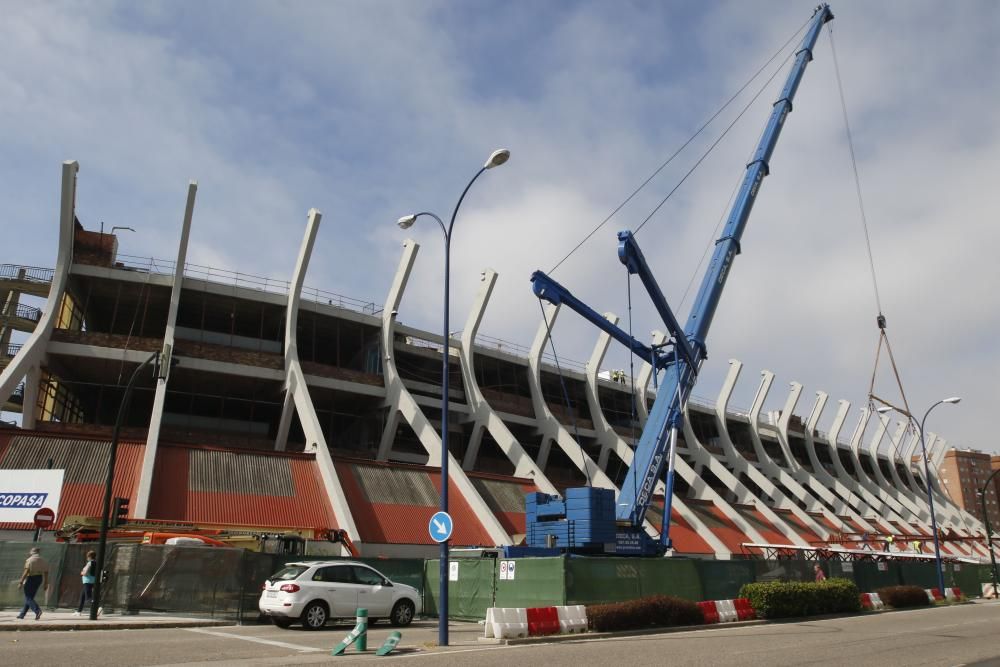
871	601
505	622
953	593
727	611
933	595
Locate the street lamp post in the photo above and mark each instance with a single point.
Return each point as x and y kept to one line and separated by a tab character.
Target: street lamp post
930	492
109	479
496	159
989	530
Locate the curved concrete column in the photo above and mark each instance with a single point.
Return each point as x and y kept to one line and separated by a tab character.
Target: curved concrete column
912	508
889	503
700	455
741	466
401	403
550	427
769	467
482	414
642	382
897	482
821	477
145	487
803	476
31	355
297	388
606	436
878	508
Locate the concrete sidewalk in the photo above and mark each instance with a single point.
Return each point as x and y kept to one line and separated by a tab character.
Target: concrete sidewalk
65	620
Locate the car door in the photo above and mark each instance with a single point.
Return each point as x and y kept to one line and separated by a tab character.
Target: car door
339	590
374	591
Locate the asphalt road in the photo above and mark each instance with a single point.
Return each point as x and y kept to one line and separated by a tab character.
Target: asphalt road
959	635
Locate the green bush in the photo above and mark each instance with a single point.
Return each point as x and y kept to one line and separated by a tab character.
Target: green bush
900	597
656	611
791	599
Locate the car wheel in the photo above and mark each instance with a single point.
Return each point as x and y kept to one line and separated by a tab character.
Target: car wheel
282	622
402	613
314	616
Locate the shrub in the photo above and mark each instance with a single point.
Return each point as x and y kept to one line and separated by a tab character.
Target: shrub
790	599
899	597
656	611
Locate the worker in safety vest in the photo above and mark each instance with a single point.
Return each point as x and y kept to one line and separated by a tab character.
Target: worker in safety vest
889	539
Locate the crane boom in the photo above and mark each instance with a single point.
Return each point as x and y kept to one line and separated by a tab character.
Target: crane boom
689	350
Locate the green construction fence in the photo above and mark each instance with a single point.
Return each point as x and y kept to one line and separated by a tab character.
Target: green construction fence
475	584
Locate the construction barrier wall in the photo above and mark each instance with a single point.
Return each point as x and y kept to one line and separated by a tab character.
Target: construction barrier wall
477	583
225	583
471	587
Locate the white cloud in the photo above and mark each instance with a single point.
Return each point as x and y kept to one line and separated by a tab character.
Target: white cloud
371	110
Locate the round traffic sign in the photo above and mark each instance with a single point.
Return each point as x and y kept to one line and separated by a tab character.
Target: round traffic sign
44	517
440	527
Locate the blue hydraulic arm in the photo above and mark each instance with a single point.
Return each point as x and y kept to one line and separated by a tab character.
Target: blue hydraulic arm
665	415
546	288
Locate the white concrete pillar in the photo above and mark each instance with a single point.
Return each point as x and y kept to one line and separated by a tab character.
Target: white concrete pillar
770	467
399	400
297	387
482	414
739	463
33	351
145	486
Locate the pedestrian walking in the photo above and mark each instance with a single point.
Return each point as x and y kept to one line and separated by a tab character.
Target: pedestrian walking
820	575
35	576
88	575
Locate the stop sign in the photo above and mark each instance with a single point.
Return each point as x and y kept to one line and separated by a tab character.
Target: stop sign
44	517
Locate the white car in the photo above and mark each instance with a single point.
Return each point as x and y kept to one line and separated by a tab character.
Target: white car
315	592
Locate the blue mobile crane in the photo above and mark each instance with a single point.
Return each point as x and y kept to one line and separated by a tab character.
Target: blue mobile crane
588	519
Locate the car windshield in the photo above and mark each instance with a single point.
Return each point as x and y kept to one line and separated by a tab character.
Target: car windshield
290	572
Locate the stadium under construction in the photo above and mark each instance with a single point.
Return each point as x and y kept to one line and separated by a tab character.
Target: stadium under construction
296	408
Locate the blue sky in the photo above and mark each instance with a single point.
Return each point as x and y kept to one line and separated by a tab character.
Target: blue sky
370	110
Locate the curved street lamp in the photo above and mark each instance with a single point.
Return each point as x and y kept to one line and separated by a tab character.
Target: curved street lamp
989	530
927	484
497	158
930	494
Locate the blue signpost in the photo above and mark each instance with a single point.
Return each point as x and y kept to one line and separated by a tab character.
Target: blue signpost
440	527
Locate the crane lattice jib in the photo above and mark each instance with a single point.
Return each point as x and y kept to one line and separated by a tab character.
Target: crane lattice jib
650	454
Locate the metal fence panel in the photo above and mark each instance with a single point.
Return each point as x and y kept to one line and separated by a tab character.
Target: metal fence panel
537	582
722	579
470	595
12	557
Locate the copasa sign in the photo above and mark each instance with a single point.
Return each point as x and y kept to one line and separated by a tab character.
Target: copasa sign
24	492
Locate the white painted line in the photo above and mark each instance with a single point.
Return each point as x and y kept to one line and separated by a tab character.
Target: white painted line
439	654
269	642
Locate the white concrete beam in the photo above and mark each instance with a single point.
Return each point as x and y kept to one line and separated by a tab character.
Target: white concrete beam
145	486
482	413
33	351
399	400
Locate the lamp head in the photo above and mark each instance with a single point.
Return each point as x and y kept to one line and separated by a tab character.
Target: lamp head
953	399
406	221
497	158
884	409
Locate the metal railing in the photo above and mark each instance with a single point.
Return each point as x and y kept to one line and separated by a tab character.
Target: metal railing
32	274
518	350
245	280
12	350
26	312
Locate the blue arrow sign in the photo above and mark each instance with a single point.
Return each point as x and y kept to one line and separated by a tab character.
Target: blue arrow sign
440	527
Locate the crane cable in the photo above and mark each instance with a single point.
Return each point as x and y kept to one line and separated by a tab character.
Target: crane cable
677	152
880	320
565	392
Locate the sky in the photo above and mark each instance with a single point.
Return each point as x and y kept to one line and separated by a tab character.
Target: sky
372	110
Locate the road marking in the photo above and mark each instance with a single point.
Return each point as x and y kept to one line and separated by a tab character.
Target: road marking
444	653
269	642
